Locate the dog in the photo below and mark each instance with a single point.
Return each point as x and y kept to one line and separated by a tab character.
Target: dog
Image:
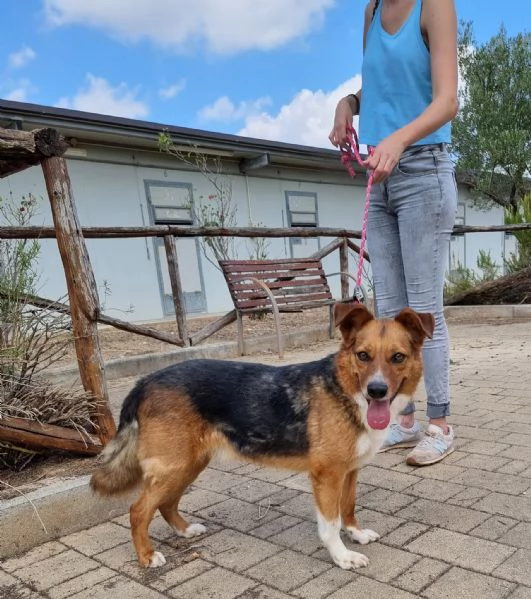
326	417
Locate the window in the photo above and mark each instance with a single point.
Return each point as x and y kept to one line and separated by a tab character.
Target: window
302	209
302	212
171	203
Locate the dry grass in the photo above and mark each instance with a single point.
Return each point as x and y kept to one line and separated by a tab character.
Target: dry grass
40	402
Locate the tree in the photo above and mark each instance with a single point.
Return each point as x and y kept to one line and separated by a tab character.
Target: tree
522	257
492	131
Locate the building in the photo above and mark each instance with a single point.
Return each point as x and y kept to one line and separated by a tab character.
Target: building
120	178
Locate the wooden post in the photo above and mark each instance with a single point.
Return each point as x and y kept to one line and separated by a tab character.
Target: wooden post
176	288
21	149
82	292
343	267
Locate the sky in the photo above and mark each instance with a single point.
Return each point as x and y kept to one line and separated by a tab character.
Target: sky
269	69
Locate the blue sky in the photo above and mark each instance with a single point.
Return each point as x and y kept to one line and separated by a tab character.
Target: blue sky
265	68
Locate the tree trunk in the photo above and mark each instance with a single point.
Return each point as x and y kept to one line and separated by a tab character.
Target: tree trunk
510	289
48	436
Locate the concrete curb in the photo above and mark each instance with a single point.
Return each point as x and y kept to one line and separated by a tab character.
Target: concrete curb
482	314
64	507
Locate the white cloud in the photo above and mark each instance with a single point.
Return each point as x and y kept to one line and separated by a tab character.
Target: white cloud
100	97
223	109
167	93
19	94
19	90
17	60
306	120
227	26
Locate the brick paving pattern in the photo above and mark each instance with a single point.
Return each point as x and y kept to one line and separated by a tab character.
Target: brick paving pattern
461	528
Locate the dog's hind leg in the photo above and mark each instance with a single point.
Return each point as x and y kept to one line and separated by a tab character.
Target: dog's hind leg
327	490
348	505
170	508
141	513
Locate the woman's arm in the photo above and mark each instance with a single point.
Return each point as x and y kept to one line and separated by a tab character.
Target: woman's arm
347	107
441	28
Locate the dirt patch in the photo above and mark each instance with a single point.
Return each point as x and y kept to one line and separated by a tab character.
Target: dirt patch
117	344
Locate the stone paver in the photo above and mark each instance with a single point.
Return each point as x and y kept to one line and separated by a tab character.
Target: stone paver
421	574
461	528
468	585
468	552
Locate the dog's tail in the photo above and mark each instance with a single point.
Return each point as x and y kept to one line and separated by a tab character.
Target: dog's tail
120	471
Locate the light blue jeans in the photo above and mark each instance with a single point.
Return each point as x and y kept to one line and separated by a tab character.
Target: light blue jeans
411	217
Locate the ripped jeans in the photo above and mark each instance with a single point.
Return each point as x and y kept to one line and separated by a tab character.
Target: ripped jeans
411	217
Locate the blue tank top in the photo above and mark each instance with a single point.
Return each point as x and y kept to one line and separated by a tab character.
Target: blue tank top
396	81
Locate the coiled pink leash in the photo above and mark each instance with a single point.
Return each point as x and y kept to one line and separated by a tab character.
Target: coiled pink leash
349	154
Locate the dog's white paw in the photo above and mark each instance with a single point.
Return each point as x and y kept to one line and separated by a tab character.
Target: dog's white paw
157	560
362	536
349	560
193	530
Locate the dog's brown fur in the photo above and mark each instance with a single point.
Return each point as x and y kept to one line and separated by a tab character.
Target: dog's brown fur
170	441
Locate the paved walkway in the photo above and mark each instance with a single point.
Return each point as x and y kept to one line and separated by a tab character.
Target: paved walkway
460	529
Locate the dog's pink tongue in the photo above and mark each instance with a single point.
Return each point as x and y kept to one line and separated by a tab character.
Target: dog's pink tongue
378	414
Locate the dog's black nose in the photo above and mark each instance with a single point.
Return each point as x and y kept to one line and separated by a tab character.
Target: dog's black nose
377	389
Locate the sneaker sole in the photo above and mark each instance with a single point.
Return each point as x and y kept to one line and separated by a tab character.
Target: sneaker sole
404	445
413	462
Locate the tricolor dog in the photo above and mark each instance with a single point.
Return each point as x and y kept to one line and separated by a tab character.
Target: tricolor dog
326	417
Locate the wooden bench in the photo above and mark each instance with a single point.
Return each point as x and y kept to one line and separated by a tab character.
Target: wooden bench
283	285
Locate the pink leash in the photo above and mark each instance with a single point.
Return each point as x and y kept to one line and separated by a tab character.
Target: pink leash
349	154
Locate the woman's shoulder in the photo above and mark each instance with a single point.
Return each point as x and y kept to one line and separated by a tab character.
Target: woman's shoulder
369	9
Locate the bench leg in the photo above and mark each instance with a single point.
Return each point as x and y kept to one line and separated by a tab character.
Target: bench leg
240	333
280	344
331	323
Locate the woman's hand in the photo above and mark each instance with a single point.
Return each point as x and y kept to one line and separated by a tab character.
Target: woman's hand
342	121
385	157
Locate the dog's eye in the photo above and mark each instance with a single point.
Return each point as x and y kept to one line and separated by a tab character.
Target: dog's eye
398	358
363	356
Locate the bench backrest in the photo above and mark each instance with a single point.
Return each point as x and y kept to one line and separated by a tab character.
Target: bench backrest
294	282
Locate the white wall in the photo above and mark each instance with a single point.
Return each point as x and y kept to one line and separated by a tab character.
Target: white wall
488	242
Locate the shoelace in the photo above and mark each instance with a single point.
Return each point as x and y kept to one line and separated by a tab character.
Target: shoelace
425	441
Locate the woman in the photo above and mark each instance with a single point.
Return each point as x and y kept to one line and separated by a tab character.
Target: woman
409	82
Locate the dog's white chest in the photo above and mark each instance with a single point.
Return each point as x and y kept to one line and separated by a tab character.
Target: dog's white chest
368	444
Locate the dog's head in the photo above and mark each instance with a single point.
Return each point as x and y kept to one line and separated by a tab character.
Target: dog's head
384	355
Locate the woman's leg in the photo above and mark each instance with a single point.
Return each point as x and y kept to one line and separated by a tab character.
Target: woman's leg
424	195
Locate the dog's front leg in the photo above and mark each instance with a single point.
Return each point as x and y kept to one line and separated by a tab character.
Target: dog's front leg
327	488
348	506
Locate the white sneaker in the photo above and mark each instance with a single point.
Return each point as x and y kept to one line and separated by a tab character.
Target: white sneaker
433	448
399	436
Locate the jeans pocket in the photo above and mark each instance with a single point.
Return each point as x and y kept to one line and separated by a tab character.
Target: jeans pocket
418	164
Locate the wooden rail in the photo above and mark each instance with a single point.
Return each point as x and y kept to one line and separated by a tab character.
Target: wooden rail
178	231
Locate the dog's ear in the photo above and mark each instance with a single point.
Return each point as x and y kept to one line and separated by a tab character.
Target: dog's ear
419	324
350	318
